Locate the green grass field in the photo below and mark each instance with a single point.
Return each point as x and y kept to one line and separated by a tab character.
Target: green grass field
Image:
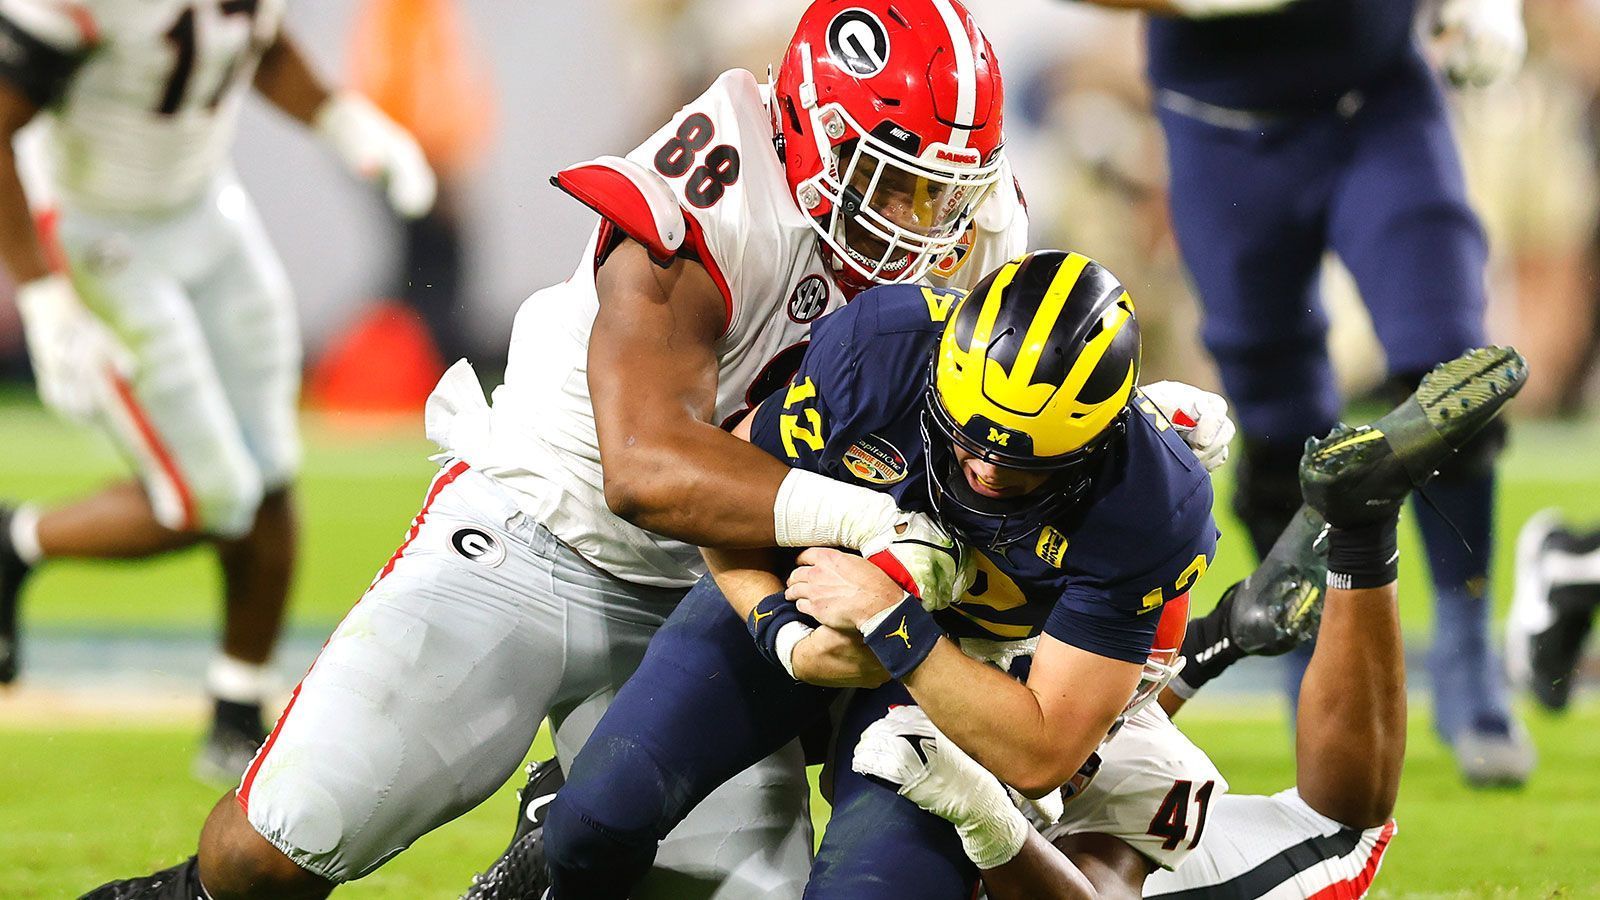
84	798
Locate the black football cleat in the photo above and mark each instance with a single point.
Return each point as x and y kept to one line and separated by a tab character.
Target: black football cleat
1553	608
236	734
181	882
1279	606
13	572
1360	476
520	872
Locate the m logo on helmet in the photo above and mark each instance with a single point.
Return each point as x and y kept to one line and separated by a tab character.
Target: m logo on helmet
859	42
999	438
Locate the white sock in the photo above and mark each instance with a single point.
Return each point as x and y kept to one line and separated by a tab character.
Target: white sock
238	681
25	534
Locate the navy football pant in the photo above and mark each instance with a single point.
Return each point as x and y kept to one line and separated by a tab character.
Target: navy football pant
1379	183
703	706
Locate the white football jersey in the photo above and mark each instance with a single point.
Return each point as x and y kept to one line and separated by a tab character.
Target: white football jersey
1150	786
747	230
151	96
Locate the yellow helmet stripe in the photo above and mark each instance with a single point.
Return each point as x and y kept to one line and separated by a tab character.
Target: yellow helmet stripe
1055	297
991	306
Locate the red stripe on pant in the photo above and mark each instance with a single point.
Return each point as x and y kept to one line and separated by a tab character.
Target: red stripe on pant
1354	888
242	795
157	448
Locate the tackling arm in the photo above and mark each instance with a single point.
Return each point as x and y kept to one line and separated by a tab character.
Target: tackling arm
287	81
653	379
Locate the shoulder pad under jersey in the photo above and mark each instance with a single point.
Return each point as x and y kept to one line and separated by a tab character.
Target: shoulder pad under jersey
632	197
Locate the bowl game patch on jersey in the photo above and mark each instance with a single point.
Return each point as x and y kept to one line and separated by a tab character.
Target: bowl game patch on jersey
874	459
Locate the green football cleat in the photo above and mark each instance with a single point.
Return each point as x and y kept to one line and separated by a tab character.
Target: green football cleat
1279	606
1360	476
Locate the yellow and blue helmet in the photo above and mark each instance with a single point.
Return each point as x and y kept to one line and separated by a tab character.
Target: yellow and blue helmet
1034	371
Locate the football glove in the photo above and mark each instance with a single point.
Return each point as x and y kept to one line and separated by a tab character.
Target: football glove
1483	40
923	559
74	354
1207	9
376	149
906	750
1200	417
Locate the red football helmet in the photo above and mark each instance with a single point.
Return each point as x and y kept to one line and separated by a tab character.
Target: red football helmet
889	116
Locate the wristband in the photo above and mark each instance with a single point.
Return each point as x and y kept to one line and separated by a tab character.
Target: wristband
902	638
1365	557
768	619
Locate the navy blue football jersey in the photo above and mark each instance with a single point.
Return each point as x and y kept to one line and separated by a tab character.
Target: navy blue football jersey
1300	58
1095	579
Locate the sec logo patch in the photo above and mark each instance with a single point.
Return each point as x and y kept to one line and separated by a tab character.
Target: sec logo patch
809	299
479	546
873	459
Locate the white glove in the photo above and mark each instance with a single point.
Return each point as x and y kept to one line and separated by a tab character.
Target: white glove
73	352
906	750
1483	40
1206	9
377	149
1200	417
924	559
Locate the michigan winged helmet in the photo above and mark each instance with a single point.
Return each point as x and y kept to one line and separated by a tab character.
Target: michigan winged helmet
1034	371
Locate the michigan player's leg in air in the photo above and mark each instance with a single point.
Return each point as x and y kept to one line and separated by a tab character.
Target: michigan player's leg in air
1325	836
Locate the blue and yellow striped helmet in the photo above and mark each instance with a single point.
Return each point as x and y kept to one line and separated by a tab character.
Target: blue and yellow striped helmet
1034	370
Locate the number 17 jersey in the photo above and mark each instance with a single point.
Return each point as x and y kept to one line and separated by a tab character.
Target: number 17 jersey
142	96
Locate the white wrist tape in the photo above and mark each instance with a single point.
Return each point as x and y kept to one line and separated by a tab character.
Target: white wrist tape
816	511
790	634
994	838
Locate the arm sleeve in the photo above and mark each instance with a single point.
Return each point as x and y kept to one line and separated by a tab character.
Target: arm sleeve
42	42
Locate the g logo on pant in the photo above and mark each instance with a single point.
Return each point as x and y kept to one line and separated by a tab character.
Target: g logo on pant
479	546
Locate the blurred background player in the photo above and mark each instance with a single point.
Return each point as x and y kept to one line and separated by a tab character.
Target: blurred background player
1326	836
1310	126
1553	608
154	306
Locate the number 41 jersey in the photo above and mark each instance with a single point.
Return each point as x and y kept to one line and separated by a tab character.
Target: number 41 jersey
143	95
717	162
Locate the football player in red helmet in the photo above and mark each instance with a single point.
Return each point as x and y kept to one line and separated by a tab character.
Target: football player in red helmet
889	155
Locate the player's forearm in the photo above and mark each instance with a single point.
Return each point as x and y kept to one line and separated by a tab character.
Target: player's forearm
1038	872
1003	723
693	482
1351	731
20	247
287	80
745	576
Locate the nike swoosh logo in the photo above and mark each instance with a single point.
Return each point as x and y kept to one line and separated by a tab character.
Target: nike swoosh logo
538	804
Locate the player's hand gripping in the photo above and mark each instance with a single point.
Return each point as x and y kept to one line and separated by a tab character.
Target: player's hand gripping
828	657
840	590
377	149
923	559
906	750
74	354
1200	417
1483	40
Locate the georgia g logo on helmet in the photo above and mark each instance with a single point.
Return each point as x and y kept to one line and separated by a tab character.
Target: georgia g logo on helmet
859	42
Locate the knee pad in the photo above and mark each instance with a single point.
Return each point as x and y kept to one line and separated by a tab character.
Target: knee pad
1267	491
604	825
226	499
